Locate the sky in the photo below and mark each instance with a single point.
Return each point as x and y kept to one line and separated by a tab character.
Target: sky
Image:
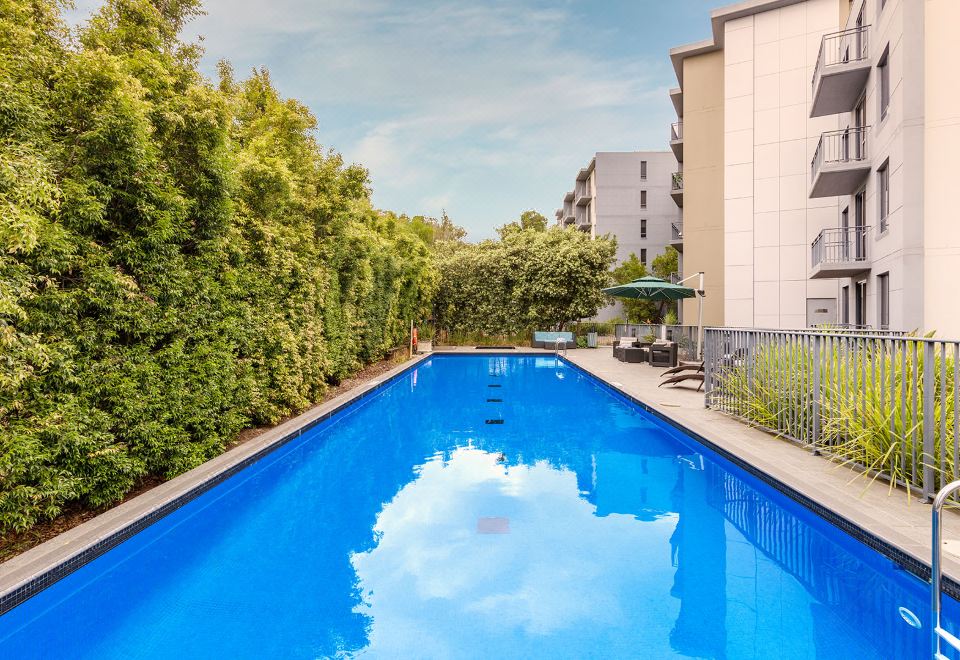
482	109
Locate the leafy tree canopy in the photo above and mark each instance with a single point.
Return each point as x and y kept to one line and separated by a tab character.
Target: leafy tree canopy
529	279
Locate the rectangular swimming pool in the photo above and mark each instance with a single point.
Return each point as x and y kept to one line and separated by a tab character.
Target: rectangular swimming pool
484	506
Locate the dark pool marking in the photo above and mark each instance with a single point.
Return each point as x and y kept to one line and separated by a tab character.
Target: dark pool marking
494	400
494	421
492	385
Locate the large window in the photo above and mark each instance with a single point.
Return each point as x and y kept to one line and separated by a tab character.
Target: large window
883	75
845	305
643	169
643	199
643	228
643	256
883	193
883	284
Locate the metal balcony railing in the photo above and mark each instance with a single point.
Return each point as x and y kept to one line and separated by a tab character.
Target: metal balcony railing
676	131
675	278
837	147
676	182
841	48
676	231
840	245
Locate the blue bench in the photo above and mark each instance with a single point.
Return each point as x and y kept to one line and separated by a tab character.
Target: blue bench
549	339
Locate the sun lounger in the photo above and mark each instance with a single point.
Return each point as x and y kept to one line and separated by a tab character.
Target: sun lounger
679	378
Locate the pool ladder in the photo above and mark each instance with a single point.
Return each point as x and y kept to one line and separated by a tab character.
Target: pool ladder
557	347
937	634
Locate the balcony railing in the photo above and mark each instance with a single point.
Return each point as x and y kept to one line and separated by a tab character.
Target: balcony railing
840	245
676	182
841	48
676	131
838	147
676	231
675	278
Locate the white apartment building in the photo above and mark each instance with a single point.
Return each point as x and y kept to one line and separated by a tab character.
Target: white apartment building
627	195
839	129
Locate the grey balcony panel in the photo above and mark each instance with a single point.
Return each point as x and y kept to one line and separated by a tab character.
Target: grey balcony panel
676	140
843	66
839	179
839	88
584	198
840	252
676	188
840	164
676	236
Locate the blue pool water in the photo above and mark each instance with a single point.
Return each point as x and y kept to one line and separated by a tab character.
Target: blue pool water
407	526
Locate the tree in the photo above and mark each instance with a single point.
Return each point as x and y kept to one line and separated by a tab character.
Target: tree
178	259
527	280
646	311
529	220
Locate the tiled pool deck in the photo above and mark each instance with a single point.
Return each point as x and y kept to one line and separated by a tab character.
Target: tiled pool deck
890	516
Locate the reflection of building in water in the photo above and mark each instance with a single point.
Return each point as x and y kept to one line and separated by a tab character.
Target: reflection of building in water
850	594
699	552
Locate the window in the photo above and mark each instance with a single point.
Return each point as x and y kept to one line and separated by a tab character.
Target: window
883	283
643	199
845	305
883	75
643	256
860	304
643	169
883	193
643	228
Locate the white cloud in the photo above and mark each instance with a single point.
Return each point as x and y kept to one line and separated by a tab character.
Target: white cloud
491	106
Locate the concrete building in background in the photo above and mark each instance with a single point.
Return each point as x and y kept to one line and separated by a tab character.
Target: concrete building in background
816	140
626	194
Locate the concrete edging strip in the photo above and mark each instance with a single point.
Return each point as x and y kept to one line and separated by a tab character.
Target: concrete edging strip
27	574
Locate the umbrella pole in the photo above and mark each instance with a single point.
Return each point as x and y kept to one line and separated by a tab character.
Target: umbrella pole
700	316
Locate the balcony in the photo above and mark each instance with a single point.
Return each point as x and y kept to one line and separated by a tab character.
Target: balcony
583	193
675	278
840	164
676	236
676	188
676	140
582	219
839	252
843	66
568	219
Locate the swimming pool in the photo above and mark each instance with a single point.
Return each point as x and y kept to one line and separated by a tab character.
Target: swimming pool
484	506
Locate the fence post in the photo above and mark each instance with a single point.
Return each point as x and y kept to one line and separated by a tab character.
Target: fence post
815	440
929	423
706	353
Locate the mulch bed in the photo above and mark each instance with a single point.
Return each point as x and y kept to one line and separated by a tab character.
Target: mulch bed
75	513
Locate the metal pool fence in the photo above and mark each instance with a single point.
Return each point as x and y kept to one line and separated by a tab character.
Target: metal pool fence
882	401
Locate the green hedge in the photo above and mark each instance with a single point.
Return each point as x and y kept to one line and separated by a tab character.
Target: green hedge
178	260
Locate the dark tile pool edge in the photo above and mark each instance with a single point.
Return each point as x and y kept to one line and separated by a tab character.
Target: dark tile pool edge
886	548
27	587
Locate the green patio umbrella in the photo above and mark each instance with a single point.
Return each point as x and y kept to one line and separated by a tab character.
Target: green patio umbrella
653	288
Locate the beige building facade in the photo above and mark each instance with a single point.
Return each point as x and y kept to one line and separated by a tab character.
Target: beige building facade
836	132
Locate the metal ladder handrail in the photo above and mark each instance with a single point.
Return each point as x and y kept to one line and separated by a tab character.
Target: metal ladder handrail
937	633
556	347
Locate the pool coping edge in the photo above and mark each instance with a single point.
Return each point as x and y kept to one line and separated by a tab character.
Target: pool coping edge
29	573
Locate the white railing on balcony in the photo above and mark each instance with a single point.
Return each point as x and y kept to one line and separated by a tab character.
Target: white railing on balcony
839	245
676	131
883	401
841	48
676	231
848	145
